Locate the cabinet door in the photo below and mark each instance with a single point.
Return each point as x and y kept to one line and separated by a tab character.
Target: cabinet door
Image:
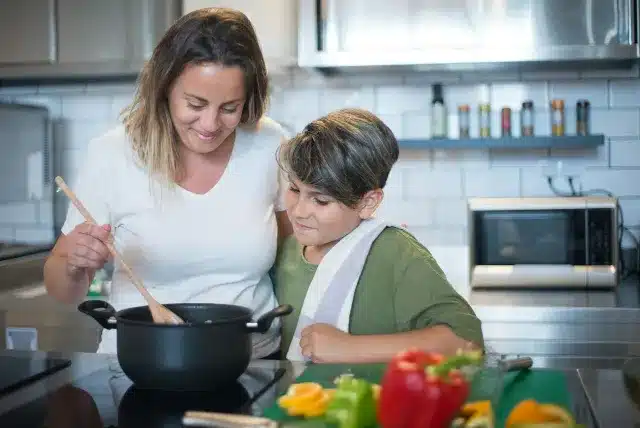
27	31
92	31
275	22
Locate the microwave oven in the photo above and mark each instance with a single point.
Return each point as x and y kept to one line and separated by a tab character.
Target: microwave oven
562	242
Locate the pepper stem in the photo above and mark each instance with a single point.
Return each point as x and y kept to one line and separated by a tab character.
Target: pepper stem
456	362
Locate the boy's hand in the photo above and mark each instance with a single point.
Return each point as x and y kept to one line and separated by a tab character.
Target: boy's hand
323	343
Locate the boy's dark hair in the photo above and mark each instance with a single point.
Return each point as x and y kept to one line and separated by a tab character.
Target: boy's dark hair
344	154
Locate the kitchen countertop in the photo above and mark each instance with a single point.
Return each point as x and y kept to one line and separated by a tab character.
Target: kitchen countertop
604	388
626	296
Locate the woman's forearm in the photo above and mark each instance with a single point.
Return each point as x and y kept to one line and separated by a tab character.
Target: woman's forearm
61	283
382	347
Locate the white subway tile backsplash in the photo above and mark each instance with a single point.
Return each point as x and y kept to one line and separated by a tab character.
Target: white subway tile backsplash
62	89
620	182
6	234
449	212
616	123
514	94
76	134
394	122
401	99
429	78
416	125
631	212
333	99
427	189
502	182
34	235
518	157
421	182
461	159
490	76
18	213
533	182
446	236
118	103
415	212
45	213
86	107
571	91
110	88
624	93
582	157
299	107
625	153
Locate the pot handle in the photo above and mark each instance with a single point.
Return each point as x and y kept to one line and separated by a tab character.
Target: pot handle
264	322
100	311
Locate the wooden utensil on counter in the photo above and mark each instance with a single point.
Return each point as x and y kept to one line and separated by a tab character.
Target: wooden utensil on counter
226	420
159	313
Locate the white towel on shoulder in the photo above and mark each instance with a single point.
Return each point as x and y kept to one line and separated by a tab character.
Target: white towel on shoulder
330	294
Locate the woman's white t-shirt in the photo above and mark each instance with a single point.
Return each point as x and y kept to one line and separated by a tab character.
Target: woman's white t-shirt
212	248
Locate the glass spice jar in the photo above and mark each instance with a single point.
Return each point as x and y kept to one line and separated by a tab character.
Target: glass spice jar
526	119
485	120
582	117
557	118
464	121
505	121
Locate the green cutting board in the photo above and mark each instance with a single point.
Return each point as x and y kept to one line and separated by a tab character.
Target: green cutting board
546	386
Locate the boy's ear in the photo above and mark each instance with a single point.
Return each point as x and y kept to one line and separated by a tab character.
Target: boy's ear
370	203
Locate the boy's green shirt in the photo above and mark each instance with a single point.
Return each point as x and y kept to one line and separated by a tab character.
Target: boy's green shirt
401	288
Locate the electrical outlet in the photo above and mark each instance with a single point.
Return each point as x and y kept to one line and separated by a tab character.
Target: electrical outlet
22	338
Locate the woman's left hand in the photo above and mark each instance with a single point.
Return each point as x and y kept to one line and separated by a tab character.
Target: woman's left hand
323	343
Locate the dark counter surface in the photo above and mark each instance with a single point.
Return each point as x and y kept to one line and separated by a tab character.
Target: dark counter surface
604	388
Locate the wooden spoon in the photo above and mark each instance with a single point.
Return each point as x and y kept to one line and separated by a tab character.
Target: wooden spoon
159	313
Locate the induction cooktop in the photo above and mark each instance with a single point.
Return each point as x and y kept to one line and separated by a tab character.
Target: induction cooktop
108	399
20	370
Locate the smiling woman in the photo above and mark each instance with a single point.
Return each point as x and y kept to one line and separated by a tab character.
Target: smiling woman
188	185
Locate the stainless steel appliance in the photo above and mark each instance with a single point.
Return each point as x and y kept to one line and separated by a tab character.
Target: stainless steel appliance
26	181
454	34
543	242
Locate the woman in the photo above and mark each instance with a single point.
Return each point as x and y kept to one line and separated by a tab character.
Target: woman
188	185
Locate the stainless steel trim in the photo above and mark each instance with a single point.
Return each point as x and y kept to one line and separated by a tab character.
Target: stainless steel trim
495	276
449	59
575	45
308	22
53	32
535	203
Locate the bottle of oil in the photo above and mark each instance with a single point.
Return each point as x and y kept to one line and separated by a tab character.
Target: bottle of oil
438	113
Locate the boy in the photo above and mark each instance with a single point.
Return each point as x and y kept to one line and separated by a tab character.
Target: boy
362	291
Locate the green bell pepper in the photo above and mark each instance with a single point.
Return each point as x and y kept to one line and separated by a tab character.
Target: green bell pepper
353	404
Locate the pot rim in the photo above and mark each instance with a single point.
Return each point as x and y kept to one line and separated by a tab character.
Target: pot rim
119	316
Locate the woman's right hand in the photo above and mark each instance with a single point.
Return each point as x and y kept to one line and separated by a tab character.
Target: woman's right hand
87	247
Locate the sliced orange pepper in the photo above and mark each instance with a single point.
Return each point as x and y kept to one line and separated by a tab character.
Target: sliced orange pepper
306	399
530	412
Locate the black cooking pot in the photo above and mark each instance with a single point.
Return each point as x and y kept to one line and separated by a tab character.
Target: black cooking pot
209	351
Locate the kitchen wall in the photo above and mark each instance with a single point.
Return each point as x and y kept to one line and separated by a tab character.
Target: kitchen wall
427	189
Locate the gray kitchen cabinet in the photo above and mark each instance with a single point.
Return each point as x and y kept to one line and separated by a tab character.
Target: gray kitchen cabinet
92	30
275	23
87	38
27	32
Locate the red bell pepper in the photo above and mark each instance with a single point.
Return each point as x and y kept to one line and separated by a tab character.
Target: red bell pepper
424	390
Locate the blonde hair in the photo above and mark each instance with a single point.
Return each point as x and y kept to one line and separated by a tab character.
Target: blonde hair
213	35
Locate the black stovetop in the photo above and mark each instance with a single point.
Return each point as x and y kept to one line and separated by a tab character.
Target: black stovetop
16	372
107	398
